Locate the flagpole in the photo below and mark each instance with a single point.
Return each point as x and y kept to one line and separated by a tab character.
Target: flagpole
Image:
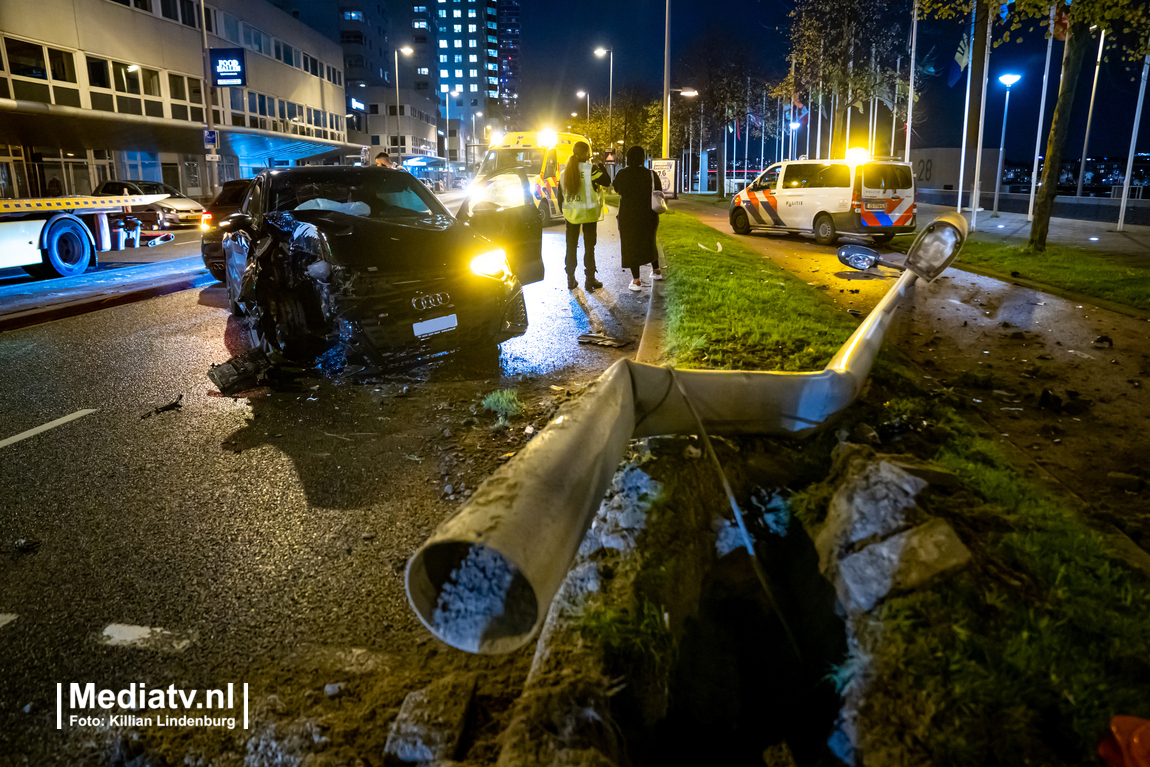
810	100
1090	115
819	135
1133	141
966	107
976	194
894	104
763	131
747	128
850	78
910	99
1041	115
871	125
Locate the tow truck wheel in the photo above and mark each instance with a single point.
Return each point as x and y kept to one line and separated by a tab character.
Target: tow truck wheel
825	233
67	251
739	222
882	239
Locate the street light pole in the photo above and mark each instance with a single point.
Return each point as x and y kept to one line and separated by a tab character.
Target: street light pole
447	133
910	100
667	83
586	94
610	53
399	147
1133	141
1090	115
976	190
213	170
1007	80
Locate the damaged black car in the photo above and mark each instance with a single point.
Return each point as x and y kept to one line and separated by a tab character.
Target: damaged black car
368	262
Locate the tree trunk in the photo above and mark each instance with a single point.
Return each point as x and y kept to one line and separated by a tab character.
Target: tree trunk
1077	43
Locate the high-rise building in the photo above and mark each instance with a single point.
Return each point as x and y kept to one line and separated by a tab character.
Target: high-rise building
375	37
508	20
469	45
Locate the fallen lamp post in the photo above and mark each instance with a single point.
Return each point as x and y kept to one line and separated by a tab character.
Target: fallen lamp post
485	578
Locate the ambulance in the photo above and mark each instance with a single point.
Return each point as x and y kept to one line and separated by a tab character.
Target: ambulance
543	154
857	196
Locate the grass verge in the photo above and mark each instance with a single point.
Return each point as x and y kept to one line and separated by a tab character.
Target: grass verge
1020	659
1111	277
706	199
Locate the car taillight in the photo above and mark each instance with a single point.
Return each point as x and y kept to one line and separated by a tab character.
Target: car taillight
856	201
205	221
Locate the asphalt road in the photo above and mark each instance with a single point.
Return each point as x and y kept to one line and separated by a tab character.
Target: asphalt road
249	529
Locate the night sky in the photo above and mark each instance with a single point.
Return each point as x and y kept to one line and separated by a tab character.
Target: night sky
558	60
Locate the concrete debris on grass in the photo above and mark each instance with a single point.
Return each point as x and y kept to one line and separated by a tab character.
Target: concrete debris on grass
431	721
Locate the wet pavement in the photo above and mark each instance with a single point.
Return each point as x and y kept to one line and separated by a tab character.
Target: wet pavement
263	532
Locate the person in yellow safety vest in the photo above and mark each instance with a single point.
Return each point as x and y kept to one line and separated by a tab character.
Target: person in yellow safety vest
582	205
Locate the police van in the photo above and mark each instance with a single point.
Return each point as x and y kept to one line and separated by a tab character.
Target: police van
829	198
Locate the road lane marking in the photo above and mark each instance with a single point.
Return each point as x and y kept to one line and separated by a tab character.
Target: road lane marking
145	637
6	618
39	429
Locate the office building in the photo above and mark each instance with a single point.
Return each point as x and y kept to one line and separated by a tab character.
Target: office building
99	89
469	46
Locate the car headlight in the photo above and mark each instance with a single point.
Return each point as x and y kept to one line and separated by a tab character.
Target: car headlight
492	264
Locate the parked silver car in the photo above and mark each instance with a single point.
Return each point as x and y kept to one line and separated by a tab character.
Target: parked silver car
176	210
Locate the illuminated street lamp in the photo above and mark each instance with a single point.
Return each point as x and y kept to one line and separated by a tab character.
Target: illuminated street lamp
447	134
601	52
1007	80
406	51
581	94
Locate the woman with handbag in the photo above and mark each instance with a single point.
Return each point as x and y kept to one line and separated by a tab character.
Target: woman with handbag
640	191
582	205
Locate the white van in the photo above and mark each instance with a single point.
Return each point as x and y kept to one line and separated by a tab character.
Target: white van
829	198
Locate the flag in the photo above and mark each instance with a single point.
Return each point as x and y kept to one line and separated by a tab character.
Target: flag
961	59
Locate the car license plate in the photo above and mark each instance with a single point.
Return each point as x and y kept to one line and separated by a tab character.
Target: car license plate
433	326
880	205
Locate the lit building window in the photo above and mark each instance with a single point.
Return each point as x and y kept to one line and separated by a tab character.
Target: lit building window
353	15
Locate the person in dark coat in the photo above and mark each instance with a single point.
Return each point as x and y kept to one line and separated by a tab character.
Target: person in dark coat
637	221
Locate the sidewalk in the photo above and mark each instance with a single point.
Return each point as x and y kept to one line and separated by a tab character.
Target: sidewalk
1098	236
31	303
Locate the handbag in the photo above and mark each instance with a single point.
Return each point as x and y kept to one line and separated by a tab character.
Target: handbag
658	201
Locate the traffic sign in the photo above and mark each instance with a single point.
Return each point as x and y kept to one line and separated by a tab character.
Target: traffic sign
213	158
211	139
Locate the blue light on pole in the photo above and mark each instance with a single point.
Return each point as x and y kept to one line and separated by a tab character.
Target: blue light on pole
1007	80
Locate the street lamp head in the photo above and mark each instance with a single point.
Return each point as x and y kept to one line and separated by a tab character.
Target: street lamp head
600	51
574	114
796	125
689	92
1009	80
453	94
406	51
581	94
479	114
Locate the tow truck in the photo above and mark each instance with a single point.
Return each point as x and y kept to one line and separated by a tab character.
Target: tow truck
63	236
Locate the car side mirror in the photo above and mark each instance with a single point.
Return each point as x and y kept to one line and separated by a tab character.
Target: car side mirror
858	257
236	222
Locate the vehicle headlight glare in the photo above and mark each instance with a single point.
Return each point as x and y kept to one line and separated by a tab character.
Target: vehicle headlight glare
491	264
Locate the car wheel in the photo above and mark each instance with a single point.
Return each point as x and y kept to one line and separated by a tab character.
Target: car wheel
545	212
739	222
882	239
233	277
825	233
67	250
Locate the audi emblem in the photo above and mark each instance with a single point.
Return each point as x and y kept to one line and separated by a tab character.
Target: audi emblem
430	301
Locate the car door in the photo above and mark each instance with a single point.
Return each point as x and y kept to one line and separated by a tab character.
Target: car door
239	233
762	204
504	212
795	203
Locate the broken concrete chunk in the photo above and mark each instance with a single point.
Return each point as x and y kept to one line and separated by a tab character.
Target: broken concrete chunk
431	721
902	562
874	499
933	475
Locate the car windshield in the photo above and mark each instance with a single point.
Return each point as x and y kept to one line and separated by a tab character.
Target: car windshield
368	192
886	177
231	194
502	159
152	187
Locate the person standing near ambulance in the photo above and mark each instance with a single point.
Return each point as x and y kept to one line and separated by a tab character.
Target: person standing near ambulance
582	205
